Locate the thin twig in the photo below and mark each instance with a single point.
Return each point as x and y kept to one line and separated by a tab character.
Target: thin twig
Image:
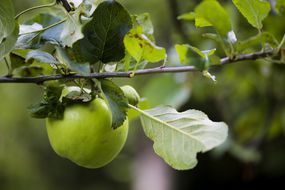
129	74
34	8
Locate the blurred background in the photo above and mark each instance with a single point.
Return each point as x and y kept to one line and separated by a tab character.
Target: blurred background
249	97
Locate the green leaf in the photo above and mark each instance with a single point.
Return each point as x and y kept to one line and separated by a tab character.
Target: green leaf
40	110
72	29
104	34
117	102
182	52
179	136
144	21
256	42
141	48
7	22
64	58
211	13
8	43
255	11
50	106
187	16
280	6
41	56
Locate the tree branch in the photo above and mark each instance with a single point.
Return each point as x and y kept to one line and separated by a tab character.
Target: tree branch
65	4
224	61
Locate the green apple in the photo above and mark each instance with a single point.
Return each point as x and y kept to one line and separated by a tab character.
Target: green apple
131	94
85	135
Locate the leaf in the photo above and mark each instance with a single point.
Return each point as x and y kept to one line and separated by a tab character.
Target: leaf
72	29
117	102
104	34
8	43
211	13
141	48
255	11
256	41
182	52
64	58
179	136
39	110
187	16
144	21
280	6
7	22
50	106
205	55
41	56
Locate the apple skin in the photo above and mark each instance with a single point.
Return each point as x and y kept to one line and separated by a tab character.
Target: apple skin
131	94
85	135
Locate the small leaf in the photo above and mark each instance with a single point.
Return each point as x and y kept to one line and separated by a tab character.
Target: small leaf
179	136
204	55
211	13
182	52
30	40
64	58
76	97
40	110
104	34
280	6
187	16
144	21
256	42
255	11
117	102
141	48
41	56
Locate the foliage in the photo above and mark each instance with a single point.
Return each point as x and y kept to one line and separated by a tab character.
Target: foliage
109	40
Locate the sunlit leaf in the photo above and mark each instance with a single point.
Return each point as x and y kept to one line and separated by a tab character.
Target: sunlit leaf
255	11
141	48
182	52
179	136
211	13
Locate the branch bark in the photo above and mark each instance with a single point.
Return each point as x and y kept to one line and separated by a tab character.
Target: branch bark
129	74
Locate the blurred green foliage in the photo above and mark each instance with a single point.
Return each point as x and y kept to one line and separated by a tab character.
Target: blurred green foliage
249	97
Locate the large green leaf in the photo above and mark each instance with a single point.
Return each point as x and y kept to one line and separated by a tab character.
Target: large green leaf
7	22
104	34
8	27
118	103
253	10
8	43
211	13
178	137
